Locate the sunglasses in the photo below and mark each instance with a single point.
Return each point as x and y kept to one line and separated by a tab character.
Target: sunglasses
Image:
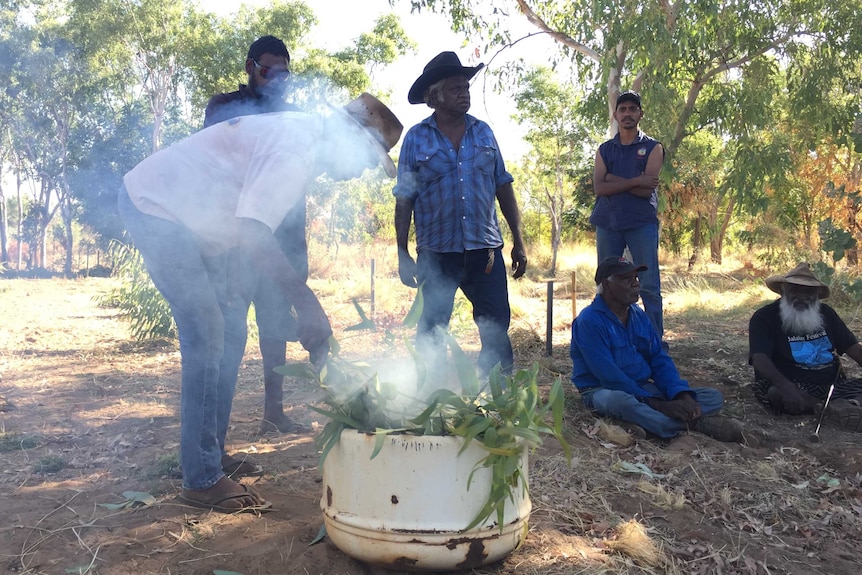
269	73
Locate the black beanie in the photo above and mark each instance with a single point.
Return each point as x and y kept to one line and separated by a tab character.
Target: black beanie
268	45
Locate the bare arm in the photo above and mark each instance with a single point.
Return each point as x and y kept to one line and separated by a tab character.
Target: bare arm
855	352
258	245
509	208
403	218
407	270
643	186
766	368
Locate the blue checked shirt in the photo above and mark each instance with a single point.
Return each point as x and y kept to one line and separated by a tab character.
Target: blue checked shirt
454	193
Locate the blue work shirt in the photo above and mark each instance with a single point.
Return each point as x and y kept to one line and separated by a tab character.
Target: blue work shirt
607	354
454	192
625	211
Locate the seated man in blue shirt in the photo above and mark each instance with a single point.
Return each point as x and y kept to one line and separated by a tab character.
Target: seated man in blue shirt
621	370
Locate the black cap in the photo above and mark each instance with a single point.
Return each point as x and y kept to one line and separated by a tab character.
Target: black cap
615	265
268	45
629	96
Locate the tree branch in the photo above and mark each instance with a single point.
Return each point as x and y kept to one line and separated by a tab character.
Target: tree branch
564	39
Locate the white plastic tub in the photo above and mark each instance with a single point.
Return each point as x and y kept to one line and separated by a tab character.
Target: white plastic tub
406	508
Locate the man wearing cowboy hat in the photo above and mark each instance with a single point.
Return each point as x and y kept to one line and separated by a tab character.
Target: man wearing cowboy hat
622	371
451	176
795	344
204	210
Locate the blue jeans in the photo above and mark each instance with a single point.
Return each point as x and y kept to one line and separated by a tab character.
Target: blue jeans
643	245
440	275
625	406
212	332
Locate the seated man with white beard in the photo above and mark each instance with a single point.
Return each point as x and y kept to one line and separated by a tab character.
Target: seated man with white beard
795	344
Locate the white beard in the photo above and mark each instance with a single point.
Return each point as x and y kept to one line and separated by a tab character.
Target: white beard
800	322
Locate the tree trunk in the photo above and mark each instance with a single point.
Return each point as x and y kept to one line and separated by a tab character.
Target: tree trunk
67	239
4	253
717	241
555	246
556	224
695	241
852	253
20	222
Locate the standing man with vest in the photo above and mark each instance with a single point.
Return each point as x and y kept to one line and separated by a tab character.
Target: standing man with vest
625	215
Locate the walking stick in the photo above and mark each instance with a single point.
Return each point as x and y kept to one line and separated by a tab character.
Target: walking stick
816	437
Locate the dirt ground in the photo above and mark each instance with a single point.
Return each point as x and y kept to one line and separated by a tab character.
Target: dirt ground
87	414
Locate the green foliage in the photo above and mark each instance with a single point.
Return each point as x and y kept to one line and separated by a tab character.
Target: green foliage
137	298
49	464
506	415
166	464
16	441
834	240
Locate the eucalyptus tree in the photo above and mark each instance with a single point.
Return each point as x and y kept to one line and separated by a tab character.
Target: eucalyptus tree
557	140
216	51
48	88
137	48
706	65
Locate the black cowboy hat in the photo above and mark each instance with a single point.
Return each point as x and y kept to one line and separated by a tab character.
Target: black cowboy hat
443	65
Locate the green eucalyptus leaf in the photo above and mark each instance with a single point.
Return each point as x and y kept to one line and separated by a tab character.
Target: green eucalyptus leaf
379	440
115	506
412	319
463	367
321	535
300	370
139	497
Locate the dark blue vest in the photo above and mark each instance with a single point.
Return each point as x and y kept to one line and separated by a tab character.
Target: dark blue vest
625	211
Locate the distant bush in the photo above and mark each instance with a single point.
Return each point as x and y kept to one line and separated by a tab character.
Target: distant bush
137	298
96	272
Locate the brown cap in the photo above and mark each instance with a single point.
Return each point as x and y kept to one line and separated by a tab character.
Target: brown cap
801	275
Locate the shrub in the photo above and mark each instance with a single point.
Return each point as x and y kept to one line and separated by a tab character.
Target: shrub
137	298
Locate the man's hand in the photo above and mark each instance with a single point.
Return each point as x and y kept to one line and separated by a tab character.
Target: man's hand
519	262
407	268
788	398
647	181
319	356
313	326
683	408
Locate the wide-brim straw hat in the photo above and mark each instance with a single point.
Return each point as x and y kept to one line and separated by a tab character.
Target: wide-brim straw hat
378	122
801	275
443	65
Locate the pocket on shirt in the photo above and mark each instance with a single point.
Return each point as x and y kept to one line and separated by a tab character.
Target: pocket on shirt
433	167
486	159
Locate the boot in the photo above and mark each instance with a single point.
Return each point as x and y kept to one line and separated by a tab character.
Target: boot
845	413
720	428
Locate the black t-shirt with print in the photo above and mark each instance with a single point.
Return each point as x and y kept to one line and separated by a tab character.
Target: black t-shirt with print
802	358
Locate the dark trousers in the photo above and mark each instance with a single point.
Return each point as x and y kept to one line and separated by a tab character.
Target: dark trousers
481	275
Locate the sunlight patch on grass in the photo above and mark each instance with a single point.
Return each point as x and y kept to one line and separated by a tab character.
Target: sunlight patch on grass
685	294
